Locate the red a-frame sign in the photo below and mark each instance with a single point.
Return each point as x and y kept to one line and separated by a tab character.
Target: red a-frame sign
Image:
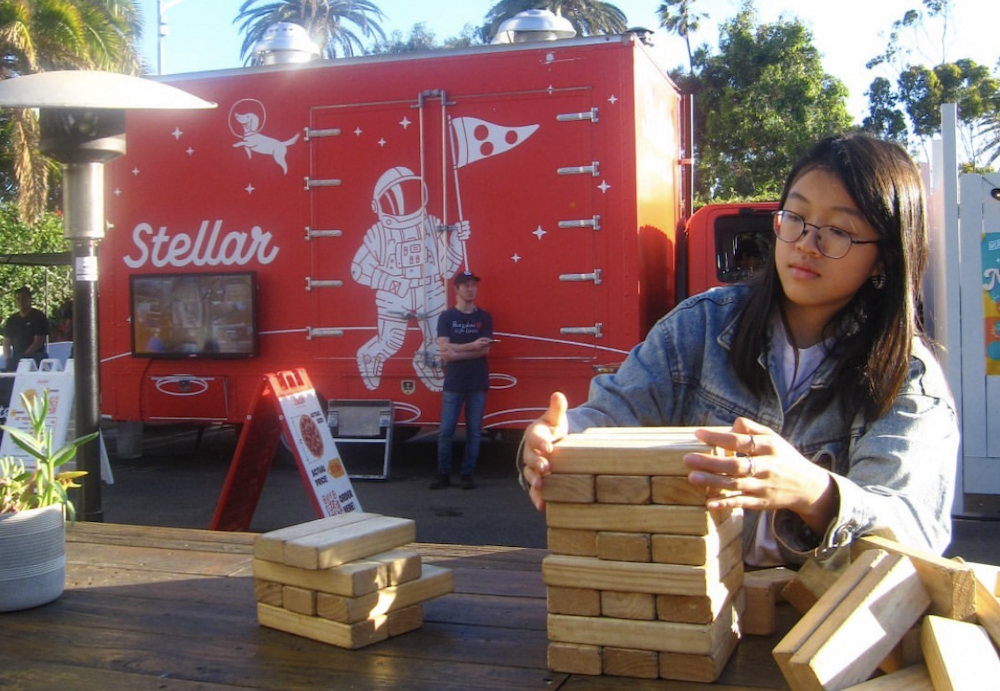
284	402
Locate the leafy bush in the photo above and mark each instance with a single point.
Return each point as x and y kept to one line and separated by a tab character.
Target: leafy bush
51	285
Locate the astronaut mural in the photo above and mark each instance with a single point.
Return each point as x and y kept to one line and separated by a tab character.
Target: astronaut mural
407	261
408	255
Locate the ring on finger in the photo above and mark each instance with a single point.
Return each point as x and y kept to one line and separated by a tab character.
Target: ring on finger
751	467
753	446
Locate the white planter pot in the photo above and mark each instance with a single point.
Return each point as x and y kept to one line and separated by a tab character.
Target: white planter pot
32	557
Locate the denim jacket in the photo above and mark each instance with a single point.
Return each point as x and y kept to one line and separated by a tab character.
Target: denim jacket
895	475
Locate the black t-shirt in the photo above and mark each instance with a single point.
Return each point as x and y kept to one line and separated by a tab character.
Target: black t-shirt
465	376
21	331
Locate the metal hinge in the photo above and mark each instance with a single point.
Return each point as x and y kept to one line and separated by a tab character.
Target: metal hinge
594	223
310	183
580	170
594	330
317	332
311	233
329	132
572	278
322	283
571	117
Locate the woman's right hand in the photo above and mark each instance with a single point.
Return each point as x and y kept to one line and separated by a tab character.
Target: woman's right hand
539	439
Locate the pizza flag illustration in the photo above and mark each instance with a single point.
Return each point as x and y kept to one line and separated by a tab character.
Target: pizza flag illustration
477	139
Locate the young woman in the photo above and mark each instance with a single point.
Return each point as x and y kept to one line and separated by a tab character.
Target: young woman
839	413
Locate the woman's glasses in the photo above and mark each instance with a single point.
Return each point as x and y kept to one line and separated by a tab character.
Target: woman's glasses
832	242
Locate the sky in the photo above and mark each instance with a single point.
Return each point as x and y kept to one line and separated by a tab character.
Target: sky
201	34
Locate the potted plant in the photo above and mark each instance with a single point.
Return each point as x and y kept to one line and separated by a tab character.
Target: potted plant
34	505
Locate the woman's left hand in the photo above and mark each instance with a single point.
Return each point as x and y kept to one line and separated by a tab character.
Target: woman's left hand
766	473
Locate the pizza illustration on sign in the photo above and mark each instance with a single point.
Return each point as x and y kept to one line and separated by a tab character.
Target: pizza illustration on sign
310	436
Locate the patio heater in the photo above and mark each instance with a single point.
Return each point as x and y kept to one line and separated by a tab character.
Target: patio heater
82	125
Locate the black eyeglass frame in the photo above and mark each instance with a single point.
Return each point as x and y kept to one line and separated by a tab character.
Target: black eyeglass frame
819	233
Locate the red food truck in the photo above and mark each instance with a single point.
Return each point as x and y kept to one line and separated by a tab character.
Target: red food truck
316	218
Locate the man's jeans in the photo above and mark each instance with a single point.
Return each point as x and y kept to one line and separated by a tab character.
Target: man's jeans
451	405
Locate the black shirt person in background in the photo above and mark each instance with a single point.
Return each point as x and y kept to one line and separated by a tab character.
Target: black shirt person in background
24	332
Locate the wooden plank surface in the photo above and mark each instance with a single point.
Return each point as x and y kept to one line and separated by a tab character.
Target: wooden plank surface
173	609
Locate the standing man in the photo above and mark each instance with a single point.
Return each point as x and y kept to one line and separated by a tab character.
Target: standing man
464	337
24	332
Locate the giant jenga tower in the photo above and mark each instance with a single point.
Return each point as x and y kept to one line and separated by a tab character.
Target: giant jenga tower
642	580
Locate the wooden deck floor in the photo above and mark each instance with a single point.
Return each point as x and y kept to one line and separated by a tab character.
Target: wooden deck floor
171	609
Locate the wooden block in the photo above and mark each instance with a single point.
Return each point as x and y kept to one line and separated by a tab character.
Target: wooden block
988	574
352	580
906	653
583	602
700	609
623	546
574	488
349	543
434	582
675	490
652	518
622	605
696	550
349	636
571	658
763	592
299	600
400	565
809	584
700	668
623	662
914	678
405	620
846	648
988	611
680	431
621	455
951	584
960	656
579	543
271	546
622	489
660	636
822	609
600	574
267	591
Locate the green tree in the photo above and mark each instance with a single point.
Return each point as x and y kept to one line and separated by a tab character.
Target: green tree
759	103
677	16
588	17
44	35
337	26
51	286
422	39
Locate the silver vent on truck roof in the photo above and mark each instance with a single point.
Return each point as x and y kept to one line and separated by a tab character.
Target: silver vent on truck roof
534	25
284	43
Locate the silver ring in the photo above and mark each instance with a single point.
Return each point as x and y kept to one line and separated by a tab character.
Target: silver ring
751	467
753	446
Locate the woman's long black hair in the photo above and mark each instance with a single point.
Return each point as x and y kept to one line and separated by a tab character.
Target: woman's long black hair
875	330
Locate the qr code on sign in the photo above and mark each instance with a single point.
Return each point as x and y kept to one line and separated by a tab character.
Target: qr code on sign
331	505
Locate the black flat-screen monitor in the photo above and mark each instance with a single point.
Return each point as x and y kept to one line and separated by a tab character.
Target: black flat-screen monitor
197	315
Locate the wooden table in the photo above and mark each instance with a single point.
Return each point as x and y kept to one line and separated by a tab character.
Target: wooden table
173	610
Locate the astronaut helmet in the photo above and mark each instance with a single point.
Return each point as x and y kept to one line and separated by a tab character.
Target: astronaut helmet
399	198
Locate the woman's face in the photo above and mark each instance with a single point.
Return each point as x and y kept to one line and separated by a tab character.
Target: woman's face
817	287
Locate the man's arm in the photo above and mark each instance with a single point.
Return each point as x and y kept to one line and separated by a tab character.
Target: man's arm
464	351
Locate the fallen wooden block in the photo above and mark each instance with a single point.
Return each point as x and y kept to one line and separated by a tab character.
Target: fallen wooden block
906	653
854	625
913	678
405	620
349	543
349	636
763	591
271	546
353	579
950	584
434	582
988	575
960	656
808	585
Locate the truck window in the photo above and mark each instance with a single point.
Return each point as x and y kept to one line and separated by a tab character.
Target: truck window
742	244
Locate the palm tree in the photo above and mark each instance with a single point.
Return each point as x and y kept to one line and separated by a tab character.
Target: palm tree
588	17
676	16
44	35
325	20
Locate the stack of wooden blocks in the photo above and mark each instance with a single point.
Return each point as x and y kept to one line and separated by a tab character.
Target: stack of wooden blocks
343	580
642	580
